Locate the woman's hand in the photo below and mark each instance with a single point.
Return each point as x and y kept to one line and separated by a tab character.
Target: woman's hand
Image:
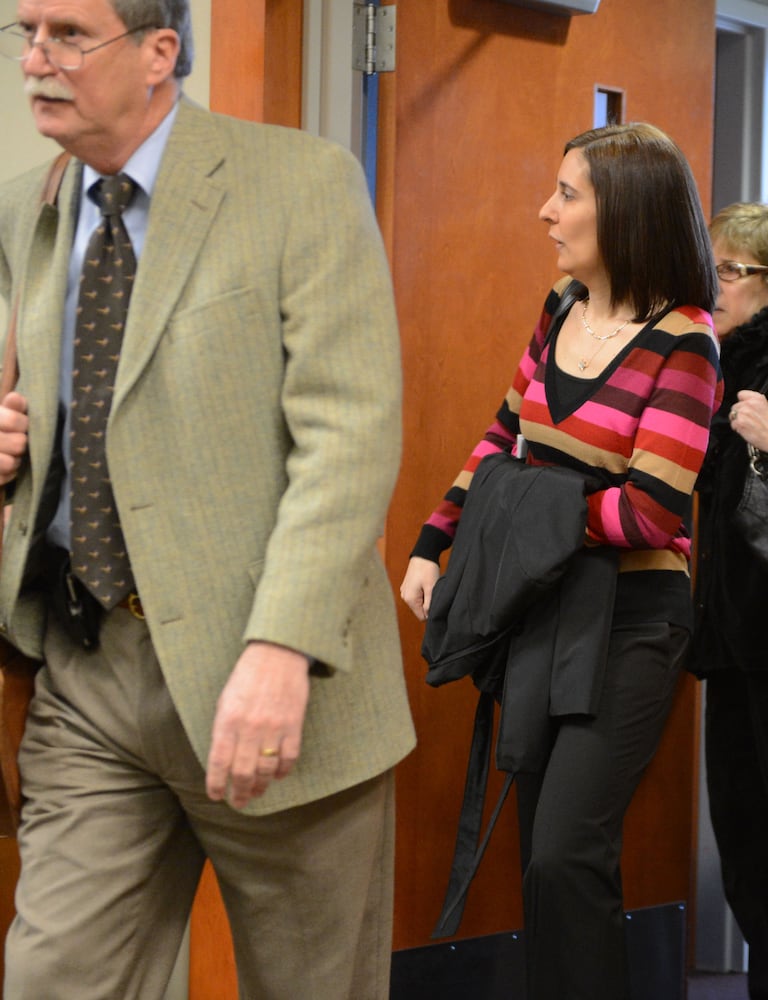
749	418
418	584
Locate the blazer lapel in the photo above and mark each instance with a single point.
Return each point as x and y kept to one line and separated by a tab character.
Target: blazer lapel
184	205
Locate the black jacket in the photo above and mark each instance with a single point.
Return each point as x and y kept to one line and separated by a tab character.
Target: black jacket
525	609
731	592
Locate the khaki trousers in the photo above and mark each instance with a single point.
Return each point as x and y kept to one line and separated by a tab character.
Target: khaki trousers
116	828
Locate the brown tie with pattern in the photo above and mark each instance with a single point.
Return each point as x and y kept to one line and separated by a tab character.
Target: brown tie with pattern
99	557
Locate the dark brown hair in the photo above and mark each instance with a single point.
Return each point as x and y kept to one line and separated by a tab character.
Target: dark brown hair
651	231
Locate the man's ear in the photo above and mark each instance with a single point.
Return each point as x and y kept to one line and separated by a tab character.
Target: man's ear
162	47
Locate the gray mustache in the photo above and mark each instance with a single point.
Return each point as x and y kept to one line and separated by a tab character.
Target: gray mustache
47	87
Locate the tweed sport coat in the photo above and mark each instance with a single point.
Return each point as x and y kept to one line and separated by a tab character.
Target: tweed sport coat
254	437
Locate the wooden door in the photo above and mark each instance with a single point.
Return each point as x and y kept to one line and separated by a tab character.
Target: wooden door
474	120
472	125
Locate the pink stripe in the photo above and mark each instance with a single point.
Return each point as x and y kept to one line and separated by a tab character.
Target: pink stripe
636	382
446	524
686	382
535	393
606	507
669	425
607	417
607	511
527	367
488	447
690	383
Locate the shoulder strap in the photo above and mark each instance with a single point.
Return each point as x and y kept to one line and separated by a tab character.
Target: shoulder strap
469	848
572	291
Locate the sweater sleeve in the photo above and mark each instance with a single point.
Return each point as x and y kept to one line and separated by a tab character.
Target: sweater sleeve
646	510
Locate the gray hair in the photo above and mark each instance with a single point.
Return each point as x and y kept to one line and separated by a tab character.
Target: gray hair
173	14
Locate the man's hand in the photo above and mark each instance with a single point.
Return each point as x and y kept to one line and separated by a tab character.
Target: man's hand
259	720
14	426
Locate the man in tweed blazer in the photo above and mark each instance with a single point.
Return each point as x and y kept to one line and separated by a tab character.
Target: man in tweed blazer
255	714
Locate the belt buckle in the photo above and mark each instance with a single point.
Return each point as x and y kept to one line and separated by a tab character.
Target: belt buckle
134	606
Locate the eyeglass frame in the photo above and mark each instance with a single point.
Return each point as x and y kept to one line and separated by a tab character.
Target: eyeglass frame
62	41
744	270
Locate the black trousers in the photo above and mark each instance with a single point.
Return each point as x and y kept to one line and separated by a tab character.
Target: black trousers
571	819
736	739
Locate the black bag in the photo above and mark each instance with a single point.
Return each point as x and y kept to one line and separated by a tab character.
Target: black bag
751	514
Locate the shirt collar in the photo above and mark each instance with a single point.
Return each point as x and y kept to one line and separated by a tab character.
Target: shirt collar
143	165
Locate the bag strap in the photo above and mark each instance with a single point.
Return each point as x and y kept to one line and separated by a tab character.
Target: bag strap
469	849
571	293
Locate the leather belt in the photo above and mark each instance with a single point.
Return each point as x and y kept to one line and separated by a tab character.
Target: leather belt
133	603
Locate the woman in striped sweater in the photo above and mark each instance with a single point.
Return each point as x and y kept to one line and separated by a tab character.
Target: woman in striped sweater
622	387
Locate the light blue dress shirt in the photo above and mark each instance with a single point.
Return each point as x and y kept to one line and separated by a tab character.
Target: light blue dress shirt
142	168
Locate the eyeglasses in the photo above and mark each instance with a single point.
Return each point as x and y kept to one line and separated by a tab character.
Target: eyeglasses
16	44
731	270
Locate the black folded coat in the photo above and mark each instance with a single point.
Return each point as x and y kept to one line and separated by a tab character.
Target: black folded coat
525	609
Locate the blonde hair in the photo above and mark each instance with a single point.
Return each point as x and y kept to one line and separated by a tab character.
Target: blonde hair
742	226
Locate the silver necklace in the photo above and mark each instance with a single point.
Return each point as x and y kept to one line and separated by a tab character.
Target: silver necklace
584	363
591	332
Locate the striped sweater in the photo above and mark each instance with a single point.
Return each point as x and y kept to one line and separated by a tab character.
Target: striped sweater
638	432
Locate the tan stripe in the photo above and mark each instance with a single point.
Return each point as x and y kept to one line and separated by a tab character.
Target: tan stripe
636	560
585	452
671	473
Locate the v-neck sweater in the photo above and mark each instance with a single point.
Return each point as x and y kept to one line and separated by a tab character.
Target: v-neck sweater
637	432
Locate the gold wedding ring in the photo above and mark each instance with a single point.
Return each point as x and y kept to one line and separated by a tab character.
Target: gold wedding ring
270	752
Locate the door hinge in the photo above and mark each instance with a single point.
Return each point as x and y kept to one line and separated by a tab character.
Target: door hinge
373	38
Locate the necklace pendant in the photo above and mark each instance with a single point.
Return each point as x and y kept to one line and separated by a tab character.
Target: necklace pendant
582	364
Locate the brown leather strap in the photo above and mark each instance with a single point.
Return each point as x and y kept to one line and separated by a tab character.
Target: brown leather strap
53	181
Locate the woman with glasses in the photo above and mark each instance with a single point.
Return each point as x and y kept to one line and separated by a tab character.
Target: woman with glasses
732	585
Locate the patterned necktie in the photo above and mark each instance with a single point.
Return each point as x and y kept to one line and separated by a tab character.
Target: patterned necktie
99	557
